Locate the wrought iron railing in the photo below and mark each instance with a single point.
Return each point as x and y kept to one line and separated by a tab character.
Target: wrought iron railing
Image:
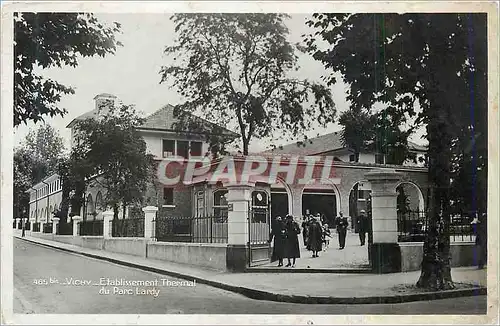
206	229
130	227
36	227
64	228
14	225
92	227
413	227
47	227
27	226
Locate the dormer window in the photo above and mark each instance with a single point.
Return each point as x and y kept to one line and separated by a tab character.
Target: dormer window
168	147
182	148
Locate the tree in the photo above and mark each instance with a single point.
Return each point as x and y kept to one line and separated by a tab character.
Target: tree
34	160
44	40
235	69
116	153
405	62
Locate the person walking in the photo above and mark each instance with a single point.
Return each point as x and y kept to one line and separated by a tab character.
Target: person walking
315	237
305	229
278	233
326	236
362	226
479	230
292	250
342	225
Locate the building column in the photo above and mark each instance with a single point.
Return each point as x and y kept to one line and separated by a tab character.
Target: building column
18	219
55	221
32	224
76	224
296	199
108	219
149	217
239	201
385	254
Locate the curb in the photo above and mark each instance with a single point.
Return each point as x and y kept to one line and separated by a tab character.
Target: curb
269	296
309	270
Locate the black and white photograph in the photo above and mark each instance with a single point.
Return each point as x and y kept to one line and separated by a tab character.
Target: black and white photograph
249	163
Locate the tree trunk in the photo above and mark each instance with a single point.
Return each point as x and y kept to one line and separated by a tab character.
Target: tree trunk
245	147
436	270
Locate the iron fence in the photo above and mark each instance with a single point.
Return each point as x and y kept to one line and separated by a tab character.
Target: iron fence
36	227
14	224
47	227
92	227
64	228
27	226
20	225
130	227
413	227
206	229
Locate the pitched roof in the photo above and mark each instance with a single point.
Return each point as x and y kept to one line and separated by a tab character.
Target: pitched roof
324	143
312	146
86	115
165	119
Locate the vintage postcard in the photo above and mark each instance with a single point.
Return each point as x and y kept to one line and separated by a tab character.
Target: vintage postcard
249	162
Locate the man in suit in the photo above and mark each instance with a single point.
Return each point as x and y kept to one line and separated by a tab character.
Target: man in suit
342	225
362	226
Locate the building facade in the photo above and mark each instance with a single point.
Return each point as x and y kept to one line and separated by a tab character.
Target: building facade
324	195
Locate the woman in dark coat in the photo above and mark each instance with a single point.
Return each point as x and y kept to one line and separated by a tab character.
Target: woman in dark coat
292	240
278	232
315	237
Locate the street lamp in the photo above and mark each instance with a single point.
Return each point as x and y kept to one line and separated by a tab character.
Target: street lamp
22	221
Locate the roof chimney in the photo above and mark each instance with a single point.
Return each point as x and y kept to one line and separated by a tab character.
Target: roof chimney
103	102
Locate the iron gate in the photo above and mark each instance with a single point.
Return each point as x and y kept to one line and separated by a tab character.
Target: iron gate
259	228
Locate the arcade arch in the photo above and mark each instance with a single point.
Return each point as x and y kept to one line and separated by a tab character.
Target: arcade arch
281	203
415	198
321	197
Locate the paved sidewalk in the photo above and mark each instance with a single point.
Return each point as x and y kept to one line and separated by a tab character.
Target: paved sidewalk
352	256
293	287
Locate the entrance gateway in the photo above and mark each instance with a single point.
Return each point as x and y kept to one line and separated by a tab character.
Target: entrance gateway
259	228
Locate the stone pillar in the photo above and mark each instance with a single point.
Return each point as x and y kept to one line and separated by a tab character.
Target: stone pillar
55	221
17	223
32	221
76	225
108	219
149	217
239	201
385	254
296	199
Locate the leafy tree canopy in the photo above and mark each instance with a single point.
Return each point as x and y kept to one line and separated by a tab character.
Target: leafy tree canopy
35	159
437	61
116	154
236	70
44	40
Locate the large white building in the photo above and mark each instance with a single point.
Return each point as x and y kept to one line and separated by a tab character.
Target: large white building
163	140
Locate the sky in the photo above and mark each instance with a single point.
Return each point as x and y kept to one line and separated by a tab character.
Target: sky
132	74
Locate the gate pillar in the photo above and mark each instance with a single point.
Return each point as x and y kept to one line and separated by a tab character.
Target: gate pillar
238	199
384	252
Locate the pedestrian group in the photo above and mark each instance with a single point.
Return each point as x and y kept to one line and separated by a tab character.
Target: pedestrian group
316	235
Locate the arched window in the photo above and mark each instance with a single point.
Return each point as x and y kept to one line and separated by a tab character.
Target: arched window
99	203
260	206
90	209
220	205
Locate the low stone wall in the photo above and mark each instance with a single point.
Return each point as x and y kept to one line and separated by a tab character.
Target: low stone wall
208	255
89	241
462	254
126	245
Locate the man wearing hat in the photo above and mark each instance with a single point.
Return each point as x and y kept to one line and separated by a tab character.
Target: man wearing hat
363	226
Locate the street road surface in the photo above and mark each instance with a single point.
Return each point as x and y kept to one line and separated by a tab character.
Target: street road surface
37	268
